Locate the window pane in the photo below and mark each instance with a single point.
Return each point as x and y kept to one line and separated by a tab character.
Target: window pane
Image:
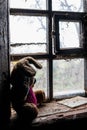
41	77
69	34
68	76
67	5
29	32
28	4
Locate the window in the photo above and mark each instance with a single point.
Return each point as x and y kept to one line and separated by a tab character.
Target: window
52	31
29	34
69	33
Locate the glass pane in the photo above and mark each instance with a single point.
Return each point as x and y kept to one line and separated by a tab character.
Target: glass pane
29	32
28	4
67	5
41	76
68	76
69	34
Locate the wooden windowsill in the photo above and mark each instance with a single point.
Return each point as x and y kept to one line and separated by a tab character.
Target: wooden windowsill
50	113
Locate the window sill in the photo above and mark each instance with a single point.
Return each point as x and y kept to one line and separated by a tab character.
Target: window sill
54	113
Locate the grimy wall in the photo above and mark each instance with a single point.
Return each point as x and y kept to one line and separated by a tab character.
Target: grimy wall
4	64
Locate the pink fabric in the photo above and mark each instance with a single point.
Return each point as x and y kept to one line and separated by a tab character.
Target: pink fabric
31	98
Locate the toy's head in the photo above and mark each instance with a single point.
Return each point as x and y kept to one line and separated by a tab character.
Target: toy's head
24	70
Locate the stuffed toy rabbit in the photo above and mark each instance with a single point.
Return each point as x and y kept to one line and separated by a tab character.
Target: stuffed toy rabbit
23	99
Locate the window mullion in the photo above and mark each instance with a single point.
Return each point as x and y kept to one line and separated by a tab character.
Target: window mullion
49	48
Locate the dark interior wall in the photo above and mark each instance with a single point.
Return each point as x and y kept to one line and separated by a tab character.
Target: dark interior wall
4	64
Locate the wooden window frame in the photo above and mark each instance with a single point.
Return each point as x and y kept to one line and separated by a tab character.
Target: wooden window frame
70	17
57	54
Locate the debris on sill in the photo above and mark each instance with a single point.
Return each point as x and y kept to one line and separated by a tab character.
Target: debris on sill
58	110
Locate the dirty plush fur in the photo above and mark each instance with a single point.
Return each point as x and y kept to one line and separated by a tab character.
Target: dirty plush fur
22	77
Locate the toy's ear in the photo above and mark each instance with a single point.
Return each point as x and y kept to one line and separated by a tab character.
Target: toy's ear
31	60
26	65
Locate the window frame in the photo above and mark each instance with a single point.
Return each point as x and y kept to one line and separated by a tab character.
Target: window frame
69	17
51	54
